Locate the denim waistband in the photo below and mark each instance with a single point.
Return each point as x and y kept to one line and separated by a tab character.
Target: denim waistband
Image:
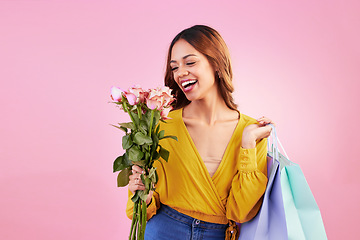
189	220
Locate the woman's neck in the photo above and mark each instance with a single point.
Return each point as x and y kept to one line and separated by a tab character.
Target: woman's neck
209	110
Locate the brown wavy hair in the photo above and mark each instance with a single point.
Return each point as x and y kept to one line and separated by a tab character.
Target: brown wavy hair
207	41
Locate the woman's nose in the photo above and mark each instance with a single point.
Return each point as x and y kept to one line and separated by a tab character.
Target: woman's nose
182	72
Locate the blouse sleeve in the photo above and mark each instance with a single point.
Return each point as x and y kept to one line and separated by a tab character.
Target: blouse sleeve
151	209
249	184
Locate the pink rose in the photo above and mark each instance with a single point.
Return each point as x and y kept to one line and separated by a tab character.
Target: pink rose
136	94
168	99
164	113
166	94
154	102
132	99
116	94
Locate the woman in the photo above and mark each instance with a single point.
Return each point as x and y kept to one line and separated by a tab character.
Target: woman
216	173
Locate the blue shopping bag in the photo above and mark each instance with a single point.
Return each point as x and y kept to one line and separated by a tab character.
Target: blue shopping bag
289	210
270	222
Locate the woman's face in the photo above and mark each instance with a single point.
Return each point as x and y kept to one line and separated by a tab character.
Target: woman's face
192	71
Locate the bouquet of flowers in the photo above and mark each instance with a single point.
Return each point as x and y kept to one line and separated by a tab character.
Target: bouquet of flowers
141	143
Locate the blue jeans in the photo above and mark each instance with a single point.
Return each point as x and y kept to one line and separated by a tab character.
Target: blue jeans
170	224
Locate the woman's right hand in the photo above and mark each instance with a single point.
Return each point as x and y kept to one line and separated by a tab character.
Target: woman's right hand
135	182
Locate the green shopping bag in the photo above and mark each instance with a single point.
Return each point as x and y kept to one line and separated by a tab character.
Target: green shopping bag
303	218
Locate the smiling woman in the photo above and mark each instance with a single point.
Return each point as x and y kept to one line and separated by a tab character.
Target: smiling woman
208	44
216	173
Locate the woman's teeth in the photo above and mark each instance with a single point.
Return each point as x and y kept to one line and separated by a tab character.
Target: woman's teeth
188	83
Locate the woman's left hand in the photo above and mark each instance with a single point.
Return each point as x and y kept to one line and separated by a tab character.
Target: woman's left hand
254	132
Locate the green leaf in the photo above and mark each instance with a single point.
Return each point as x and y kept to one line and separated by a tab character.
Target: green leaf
161	134
156	155
127	125
121	128
170	136
141	163
123	177
127	142
121	163
153	175
142	177
143	127
144	123
152	172
136	197
142	139
135	154
157	177
164	153
143	196
157	129
135	117
117	103
156	118
147	183
155	140
147	156
147	117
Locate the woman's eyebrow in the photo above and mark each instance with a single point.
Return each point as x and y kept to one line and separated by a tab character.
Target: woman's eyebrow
189	55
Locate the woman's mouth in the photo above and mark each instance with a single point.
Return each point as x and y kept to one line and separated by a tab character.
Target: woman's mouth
188	84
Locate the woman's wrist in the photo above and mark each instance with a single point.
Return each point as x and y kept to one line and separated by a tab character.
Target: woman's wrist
248	145
248	142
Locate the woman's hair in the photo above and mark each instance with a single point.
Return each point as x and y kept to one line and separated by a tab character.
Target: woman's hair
207	41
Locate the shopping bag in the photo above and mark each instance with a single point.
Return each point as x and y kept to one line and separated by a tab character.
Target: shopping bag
289	210
270	222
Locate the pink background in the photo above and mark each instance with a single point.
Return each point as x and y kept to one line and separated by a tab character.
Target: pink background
297	63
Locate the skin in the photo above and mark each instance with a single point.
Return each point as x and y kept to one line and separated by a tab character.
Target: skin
207	115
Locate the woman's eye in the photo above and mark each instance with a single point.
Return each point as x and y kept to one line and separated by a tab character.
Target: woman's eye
190	63
173	68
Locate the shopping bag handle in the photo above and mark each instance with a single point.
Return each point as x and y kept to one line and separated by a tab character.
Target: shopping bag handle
275	141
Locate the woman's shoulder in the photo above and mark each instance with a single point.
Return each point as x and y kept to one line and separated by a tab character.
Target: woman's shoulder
247	120
175	114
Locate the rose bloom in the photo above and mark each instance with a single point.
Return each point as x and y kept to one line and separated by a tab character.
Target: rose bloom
136	95
159	98
155	102
168	98
116	94
164	113
132	99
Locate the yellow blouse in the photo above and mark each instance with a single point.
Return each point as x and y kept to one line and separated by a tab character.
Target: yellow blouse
234	192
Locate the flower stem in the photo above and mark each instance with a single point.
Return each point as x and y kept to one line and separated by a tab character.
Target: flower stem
139	221
139	111
144	215
151	122
133	222
127	110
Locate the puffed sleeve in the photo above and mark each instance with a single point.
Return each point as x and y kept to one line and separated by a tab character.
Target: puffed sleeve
151	208
249	184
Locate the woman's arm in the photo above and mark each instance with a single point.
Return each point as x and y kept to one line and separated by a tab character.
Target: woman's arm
249	184
255	132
